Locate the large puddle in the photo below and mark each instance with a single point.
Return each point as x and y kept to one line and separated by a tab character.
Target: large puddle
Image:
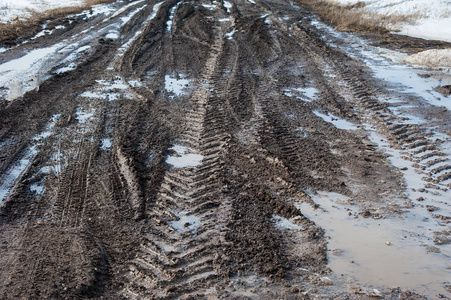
381	253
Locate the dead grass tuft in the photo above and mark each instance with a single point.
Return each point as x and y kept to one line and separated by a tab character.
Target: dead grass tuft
353	17
10	32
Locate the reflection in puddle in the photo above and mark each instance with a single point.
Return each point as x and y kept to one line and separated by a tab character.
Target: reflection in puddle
384	252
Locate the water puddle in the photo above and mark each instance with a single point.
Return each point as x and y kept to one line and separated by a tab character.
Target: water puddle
186	222
286	223
304	94
380	253
336	121
184	157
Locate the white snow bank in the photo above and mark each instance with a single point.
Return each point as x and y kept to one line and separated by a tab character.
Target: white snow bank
433	29
437	58
434	16
25	73
9	9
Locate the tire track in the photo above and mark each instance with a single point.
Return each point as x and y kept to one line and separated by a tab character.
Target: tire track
178	258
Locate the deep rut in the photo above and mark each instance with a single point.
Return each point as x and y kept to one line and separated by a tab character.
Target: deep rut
174	160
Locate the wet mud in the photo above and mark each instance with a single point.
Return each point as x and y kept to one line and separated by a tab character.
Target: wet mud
174	159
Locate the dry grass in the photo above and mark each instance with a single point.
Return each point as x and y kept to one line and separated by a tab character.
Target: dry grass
10	32
353	17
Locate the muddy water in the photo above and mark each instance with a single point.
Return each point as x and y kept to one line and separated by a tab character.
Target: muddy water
386	252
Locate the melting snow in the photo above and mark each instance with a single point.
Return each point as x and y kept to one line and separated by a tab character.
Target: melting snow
308	94
135	83
209	6
437	58
230	34
83	116
126	19
171	17
106	144
185	157
124	8
434	22
24	74
127	44
37	188
176	86
118	83
11	175
112	35
404	76
228	6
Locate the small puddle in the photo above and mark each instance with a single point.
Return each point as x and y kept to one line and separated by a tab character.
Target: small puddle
385	253
186	222
286	223
305	94
336	121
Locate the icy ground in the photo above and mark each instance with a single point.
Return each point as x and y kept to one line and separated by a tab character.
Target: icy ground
433	18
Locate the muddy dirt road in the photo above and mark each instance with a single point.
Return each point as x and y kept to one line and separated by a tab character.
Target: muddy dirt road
183	149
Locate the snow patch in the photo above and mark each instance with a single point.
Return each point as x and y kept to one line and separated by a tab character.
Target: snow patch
25	73
305	94
405	78
114	35
171	17
230	34
9	178
127	18
106	144
23	8
127	44
176	86
135	83
434	16
185	157
228	6
437	58
83	116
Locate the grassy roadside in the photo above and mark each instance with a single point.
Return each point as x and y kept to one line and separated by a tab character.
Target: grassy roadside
353	17
10	32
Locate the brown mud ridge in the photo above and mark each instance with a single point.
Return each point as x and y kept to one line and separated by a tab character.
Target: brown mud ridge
99	212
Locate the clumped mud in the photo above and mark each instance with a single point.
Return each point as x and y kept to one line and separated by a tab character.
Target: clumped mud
96	212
